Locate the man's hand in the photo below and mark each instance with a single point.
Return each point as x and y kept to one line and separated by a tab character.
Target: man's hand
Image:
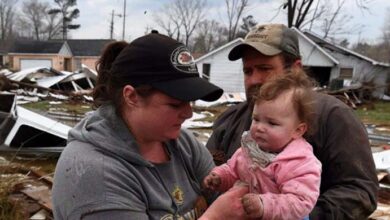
253	205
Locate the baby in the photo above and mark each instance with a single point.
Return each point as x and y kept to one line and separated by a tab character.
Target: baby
274	160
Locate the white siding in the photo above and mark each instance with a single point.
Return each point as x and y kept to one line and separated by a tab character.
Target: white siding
311	55
223	72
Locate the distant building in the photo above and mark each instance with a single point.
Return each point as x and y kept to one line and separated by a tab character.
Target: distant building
61	55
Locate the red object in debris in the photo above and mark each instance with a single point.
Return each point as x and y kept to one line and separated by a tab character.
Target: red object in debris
386	147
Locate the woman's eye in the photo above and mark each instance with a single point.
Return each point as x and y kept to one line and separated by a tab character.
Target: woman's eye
174	105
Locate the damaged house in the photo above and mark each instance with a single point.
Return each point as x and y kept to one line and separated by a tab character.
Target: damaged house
324	61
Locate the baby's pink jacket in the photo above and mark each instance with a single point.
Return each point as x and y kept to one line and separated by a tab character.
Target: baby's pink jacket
288	186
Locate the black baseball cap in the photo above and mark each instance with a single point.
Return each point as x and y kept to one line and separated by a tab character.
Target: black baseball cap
166	65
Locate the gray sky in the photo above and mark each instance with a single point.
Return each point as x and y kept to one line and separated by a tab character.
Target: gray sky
95	16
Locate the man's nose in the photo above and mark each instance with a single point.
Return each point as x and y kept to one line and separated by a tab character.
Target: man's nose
256	78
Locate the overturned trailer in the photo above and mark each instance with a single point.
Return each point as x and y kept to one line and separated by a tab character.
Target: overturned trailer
25	131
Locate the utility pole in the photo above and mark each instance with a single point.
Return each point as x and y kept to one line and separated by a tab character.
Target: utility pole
124	19
112	23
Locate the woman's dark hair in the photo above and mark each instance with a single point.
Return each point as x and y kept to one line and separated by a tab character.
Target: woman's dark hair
109	87
104	85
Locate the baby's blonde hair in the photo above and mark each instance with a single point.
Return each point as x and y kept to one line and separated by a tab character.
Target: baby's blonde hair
300	84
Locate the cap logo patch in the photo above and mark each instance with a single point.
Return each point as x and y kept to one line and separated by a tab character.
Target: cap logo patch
258	36
183	61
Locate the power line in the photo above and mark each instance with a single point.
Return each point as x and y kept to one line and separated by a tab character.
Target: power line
124	19
112	23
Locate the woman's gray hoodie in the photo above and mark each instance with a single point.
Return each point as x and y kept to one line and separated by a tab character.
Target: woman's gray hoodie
101	170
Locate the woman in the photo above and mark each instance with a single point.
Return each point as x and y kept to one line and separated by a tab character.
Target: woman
130	159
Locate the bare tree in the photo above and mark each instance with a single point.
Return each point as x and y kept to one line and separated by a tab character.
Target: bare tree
35	22
209	36
327	17
34	14
7	14
377	50
182	16
299	11
68	13
235	10
384	50
166	20
23	29
54	26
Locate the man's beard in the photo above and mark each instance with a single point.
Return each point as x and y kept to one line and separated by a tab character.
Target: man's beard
251	92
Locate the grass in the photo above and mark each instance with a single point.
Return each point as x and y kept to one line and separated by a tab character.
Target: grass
377	113
70	111
71	107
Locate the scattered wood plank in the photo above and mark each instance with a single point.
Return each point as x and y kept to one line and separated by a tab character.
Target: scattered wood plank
42	195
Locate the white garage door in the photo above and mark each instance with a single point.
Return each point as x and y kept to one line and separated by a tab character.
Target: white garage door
27	63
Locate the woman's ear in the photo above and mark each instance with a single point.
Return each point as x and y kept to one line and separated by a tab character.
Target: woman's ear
300	130
129	95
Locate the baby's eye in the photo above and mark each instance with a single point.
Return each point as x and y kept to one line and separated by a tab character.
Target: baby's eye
273	123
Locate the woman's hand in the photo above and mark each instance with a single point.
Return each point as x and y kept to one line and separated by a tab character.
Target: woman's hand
227	205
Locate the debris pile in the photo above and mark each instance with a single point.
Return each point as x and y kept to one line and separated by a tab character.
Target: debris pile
25	193
37	84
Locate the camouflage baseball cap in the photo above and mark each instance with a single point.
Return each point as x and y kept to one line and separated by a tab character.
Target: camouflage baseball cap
270	40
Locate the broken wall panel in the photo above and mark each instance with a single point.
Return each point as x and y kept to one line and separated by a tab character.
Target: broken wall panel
27	136
32	130
7	115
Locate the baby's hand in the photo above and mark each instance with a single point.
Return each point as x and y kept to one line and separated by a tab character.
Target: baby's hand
253	205
212	181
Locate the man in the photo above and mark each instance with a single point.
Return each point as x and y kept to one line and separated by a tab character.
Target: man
348	182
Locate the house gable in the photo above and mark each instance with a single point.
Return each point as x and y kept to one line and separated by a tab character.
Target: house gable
223	72
341	50
65	50
312	54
